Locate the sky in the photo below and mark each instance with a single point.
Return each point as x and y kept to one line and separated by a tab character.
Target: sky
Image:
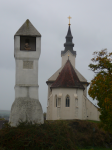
91	27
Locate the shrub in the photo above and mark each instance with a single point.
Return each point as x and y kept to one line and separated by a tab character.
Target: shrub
50	135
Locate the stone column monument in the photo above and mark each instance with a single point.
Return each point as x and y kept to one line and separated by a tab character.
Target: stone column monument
27	48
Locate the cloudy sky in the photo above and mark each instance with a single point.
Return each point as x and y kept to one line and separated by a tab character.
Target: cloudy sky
91	27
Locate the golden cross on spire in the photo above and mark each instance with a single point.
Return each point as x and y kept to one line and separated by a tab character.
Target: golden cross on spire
69	20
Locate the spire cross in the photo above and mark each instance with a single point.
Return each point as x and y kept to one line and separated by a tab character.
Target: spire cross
69	20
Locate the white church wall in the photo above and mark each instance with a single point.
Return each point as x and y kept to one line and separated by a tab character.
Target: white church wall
85	91
80	106
49	113
63	112
84	110
49	90
92	110
71	58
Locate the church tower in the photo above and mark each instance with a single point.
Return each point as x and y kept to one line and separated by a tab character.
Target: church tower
27	48
67	89
68	51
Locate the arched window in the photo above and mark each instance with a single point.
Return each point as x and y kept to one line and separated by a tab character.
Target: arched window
56	100
67	101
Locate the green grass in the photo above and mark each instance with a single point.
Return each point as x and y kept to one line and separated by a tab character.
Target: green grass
93	121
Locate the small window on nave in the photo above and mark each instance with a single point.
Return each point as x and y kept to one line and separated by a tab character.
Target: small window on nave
59	102
56	101
76	102
67	101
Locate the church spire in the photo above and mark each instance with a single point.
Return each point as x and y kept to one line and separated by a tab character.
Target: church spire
69	34
69	44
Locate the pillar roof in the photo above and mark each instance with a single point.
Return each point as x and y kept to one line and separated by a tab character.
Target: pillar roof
27	29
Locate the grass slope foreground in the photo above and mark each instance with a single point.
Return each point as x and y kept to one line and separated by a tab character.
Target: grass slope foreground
54	135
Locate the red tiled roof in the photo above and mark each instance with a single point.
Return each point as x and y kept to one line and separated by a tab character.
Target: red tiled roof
67	78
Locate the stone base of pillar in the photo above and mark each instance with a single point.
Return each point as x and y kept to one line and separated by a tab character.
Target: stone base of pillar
24	108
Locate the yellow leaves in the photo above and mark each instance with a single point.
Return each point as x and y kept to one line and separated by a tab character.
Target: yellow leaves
101	85
101	60
92	59
95	52
107	105
110	54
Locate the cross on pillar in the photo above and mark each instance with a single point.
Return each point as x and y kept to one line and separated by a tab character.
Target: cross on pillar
69	20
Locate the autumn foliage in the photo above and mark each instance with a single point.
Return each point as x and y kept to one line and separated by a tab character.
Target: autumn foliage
101	86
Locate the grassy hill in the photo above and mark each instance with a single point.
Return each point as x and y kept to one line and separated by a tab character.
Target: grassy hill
55	135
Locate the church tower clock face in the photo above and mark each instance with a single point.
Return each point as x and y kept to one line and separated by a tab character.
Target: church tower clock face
27	43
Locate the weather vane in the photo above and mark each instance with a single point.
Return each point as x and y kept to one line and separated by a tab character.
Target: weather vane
69	20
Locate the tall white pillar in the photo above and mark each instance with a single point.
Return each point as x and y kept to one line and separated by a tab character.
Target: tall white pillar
27	48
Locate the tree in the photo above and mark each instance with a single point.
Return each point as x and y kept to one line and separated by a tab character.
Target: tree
101	86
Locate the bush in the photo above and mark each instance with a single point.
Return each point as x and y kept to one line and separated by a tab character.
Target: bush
49	136
54	135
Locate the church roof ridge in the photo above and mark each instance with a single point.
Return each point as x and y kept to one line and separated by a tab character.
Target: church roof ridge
67	78
27	29
80	75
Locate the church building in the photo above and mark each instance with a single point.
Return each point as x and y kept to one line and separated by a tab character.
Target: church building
67	89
